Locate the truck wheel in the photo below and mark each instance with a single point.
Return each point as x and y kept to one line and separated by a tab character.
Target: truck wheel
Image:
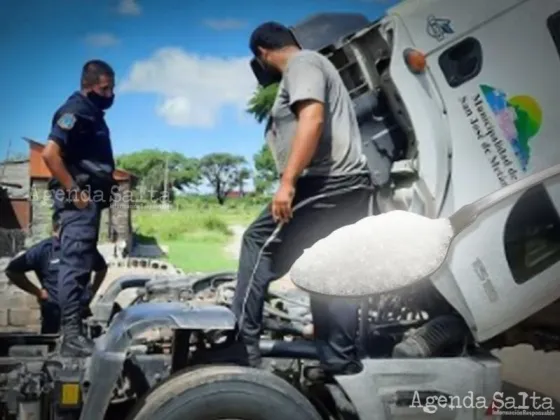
225	392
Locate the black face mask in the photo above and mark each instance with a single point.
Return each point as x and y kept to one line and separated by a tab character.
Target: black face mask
274	75
265	74
101	102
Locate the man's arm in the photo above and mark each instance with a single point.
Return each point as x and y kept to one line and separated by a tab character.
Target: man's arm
100	272
306	86
59	138
18	266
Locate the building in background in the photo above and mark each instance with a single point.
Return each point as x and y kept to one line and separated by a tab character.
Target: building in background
29	208
12	238
14	204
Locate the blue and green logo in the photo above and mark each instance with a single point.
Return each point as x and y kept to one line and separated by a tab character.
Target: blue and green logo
519	118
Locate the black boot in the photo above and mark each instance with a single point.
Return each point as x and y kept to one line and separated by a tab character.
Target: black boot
74	342
254	355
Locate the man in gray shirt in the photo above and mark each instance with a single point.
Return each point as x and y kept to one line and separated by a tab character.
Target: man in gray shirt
324	184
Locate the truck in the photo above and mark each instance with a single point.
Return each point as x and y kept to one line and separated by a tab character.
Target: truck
449	111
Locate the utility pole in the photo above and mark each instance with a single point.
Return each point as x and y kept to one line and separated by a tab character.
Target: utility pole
166	182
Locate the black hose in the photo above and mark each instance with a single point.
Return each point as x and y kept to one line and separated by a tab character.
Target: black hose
298	349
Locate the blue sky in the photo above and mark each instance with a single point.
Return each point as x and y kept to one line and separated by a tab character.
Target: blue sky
182	67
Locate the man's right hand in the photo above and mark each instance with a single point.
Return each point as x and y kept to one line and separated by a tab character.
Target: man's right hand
282	203
80	199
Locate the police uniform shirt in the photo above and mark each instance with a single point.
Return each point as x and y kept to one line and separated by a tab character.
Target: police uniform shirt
80	130
43	258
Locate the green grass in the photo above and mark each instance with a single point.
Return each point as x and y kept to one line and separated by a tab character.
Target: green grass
201	252
197	231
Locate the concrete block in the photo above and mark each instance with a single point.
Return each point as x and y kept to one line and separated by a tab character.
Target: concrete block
4	288
34	328
3	318
18	300
23	317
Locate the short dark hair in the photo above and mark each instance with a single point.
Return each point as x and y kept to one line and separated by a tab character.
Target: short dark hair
272	36
93	70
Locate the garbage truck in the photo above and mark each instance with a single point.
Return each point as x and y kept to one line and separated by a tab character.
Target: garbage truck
455	100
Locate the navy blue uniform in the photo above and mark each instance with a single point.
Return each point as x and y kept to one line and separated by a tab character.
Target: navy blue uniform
79	128
44	259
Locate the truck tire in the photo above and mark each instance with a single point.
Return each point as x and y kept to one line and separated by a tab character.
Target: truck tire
225	392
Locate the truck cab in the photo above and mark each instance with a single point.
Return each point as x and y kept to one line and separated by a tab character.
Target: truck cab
493	85
457	100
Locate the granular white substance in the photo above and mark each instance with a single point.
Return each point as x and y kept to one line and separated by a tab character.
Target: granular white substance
375	255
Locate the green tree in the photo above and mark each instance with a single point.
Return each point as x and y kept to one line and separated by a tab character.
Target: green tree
223	172
150	166
261	102
259	106
265	170
242	176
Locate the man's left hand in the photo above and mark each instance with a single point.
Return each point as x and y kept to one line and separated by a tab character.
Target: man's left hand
42	296
282	202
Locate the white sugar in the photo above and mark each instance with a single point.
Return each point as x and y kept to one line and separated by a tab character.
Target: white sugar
375	255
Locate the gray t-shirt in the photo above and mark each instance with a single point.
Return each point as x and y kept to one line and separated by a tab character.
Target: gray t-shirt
311	76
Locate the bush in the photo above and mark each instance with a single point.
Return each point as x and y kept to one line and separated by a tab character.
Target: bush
198	215
171	225
214	224
205	202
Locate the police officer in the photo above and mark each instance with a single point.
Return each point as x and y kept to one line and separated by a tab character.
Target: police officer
43	258
80	157
325	184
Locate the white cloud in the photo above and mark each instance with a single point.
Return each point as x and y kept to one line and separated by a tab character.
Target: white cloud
225	24
103	39
192	90
129	7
